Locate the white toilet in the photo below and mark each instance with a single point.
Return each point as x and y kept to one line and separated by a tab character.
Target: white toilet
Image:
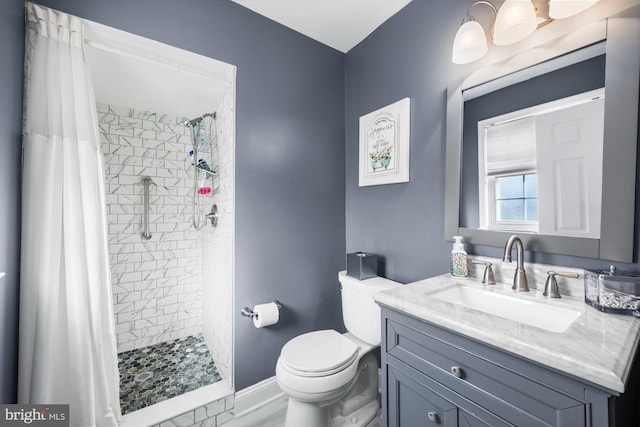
332	379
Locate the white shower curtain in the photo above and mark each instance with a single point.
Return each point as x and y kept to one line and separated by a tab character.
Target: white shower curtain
67	333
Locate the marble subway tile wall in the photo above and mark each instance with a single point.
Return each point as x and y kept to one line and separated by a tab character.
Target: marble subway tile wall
217	316
214	414
157	283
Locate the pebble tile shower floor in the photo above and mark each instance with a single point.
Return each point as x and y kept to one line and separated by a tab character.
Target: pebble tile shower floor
159	372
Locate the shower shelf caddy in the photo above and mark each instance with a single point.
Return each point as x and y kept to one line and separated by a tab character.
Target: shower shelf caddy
201	162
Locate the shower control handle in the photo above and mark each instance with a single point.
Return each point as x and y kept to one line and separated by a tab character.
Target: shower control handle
213	216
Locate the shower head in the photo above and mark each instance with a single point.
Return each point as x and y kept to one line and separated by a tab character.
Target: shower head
197	120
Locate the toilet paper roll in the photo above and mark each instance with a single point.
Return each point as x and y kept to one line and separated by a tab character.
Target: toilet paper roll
265	315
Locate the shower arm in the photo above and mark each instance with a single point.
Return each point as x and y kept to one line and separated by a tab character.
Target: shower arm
197	120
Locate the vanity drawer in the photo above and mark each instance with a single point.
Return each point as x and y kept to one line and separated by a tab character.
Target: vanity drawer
470	370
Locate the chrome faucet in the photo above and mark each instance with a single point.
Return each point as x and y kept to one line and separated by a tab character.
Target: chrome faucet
520	278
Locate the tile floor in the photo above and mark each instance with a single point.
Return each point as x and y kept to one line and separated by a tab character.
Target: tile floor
159	372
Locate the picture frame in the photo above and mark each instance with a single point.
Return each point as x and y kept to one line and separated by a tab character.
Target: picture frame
384	145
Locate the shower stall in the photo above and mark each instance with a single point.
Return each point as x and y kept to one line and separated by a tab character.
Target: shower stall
166	129
169	174
163	300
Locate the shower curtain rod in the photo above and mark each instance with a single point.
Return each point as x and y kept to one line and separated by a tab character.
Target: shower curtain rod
159	63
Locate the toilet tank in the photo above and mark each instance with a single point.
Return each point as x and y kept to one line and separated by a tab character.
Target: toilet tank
360	313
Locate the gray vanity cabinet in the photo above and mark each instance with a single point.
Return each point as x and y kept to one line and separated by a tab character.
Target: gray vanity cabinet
435	377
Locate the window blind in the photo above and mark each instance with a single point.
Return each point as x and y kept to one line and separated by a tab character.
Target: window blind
511	147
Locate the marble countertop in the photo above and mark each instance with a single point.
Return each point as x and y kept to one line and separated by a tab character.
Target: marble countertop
598	347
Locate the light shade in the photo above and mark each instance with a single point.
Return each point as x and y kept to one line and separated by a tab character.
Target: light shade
515	21
559	9
470	43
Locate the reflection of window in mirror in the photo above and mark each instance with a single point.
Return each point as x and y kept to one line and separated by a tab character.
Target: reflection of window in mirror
513	202
540	169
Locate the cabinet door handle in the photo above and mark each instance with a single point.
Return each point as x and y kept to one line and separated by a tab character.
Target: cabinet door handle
433	417
457	371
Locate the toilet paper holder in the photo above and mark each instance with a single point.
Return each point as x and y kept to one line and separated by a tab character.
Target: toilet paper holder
248	312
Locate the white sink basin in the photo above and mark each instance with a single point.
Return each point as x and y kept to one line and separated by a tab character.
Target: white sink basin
545	316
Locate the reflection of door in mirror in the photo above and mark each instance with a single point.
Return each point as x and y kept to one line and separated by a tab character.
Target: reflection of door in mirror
569	149
540	168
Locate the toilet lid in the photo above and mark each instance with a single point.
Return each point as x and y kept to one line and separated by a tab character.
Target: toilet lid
319	352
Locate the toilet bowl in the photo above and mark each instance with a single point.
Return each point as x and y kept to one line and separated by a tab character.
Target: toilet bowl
332	378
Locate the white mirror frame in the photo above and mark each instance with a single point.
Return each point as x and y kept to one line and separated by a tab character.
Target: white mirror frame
622	83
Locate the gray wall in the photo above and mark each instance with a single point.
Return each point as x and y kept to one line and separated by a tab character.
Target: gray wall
11	51
290	230
410	55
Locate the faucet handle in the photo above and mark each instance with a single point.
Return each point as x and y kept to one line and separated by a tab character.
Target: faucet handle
487	277
566	274
551	285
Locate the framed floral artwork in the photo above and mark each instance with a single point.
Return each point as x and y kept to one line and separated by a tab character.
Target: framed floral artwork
384	145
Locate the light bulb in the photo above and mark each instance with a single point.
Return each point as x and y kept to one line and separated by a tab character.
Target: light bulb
515	21
470	43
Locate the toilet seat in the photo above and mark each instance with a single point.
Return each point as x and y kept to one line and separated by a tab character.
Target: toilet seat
318	354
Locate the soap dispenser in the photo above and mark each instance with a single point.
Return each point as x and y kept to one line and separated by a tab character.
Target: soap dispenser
458	258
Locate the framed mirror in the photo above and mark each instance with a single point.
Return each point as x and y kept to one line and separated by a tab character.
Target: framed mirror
491	192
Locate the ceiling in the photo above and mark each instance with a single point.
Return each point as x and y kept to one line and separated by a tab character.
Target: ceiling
340	24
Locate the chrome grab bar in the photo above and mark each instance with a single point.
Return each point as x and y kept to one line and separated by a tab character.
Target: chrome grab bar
146	235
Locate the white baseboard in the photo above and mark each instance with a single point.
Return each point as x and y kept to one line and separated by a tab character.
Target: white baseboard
256	396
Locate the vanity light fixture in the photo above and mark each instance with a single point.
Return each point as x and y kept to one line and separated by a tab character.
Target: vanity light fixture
515	20
470	43
559	9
